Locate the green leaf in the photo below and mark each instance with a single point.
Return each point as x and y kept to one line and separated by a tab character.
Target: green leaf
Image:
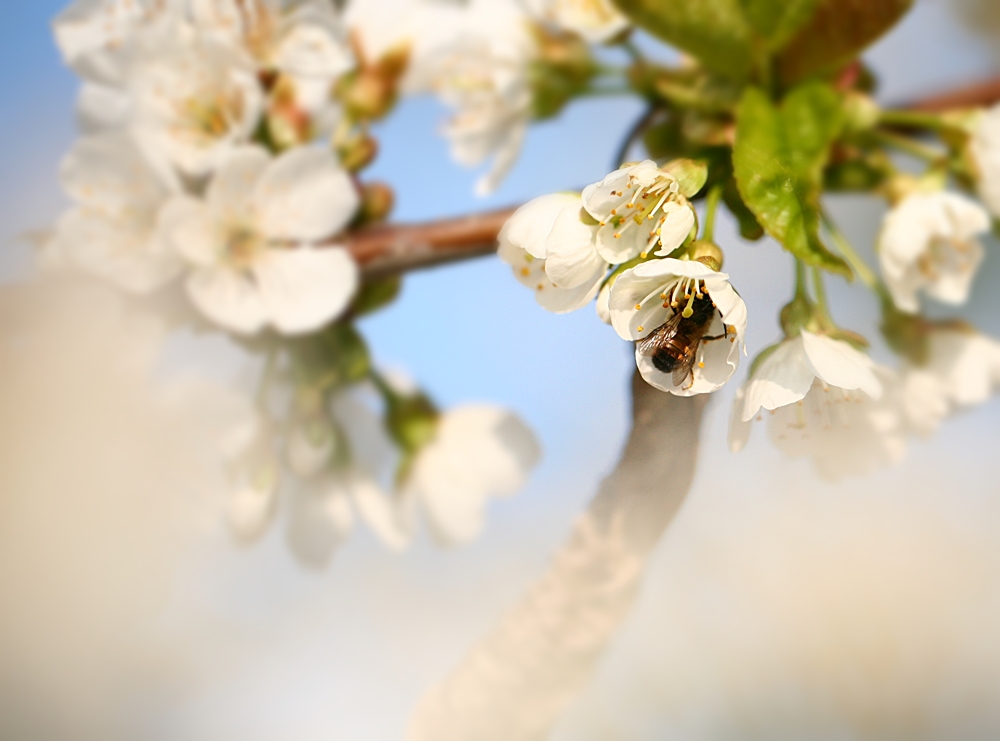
715	31
776	21
837	31
778	161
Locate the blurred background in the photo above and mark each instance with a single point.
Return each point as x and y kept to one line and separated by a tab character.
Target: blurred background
776	606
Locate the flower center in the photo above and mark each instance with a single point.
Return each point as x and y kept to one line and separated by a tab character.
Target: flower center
242	246
207	118
649	193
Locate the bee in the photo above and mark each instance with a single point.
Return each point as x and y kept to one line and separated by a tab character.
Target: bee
673	346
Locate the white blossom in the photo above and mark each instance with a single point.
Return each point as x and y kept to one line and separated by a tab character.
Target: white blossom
112	231
477	62
553	251
186	98
638	207
843	432
306	42
478	452
928	243
94	34
962	370
251	241
254	474
646	297
984	146
595	21
789	370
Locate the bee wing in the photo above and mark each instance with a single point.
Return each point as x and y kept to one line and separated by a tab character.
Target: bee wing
685	369
649	344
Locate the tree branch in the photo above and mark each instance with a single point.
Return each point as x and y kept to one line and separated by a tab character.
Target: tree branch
516	683
389	249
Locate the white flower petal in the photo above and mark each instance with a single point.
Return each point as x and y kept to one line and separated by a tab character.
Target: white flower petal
572	258
319	520
304	288
188	227
528	228
227	297
783	377
838	364
304	195
230	194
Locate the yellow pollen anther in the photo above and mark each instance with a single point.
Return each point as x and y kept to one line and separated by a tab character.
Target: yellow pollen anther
541	286
618	235
614	211
663	297
640	328
643	255
638	306
525	272
701	364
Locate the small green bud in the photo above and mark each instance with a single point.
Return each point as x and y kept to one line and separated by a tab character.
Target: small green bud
861	112
691	175
707	253
357	151
377	200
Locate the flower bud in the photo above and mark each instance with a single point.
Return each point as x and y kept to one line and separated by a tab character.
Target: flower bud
707	253
367	94
357	152
377	201
861	112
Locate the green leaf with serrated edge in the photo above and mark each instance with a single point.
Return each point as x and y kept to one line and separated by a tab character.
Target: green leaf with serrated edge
835	34
778	160
776	21
714	31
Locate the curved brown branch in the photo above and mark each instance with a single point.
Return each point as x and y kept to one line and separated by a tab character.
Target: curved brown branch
390	249
516	683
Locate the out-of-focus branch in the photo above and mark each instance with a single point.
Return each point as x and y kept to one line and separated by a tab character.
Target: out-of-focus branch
982	93
515	685
390	249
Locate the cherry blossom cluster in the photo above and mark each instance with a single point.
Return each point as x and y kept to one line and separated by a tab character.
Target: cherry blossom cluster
219	173
632	242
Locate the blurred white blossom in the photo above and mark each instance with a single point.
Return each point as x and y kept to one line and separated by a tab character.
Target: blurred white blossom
112	230
962	370
252	241
843	432
644	298
187	99
984	146
789	370
303	42
928	243
477	62
595	21
478	452
553	252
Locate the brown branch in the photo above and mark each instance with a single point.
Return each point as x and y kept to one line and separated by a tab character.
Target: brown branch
982	93
396	248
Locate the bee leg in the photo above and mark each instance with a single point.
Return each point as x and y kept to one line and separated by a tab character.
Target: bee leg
714	337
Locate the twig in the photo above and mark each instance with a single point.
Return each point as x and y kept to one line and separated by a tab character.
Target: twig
396	248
